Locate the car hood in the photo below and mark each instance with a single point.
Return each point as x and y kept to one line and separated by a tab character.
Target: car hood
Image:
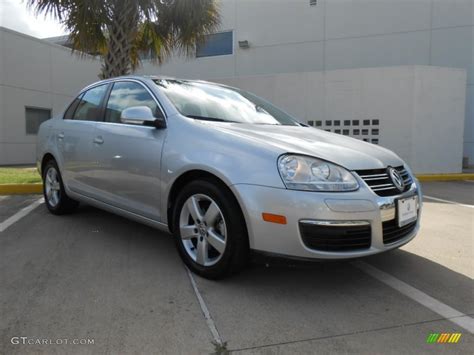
350	153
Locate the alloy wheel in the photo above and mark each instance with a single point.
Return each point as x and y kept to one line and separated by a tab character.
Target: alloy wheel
53	187
203	230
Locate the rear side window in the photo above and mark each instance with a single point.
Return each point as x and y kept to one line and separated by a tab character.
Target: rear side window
88	108
127	94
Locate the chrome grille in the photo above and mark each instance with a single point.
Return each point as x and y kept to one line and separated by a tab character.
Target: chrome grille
379	180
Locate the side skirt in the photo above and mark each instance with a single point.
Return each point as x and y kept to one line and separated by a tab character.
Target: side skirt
119	211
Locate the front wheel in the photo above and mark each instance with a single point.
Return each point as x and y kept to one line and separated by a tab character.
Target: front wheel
210	230
55	197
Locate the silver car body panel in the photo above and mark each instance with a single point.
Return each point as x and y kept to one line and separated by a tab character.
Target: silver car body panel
128	167
132	172
74	150
301	205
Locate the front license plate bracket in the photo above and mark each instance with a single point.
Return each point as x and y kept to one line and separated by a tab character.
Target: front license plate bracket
407	211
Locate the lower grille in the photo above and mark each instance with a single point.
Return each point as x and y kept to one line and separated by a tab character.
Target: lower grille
393	233
335	238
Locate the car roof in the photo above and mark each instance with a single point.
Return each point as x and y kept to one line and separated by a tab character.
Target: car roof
151	77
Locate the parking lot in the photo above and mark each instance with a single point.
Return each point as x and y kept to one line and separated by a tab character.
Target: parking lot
96	276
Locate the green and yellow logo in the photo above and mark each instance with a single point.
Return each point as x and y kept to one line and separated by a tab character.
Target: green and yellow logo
451	338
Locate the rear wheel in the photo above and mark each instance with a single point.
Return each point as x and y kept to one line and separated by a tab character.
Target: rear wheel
210	230
55	197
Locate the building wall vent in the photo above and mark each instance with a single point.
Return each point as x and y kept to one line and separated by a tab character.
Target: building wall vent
313	2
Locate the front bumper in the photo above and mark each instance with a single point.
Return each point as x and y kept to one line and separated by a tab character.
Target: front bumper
362	205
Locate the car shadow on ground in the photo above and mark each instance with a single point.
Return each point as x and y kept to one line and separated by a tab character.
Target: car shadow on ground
420	272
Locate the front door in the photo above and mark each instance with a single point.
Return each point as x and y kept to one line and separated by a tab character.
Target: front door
129	156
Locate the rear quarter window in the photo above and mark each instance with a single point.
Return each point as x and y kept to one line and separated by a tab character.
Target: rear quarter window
69	114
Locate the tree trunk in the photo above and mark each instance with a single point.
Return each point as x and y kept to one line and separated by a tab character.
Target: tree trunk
121	34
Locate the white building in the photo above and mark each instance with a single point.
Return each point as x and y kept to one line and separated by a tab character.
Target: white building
37	79
291	36
264	45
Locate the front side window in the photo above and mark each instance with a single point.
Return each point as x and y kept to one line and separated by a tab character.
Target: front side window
128	94
212	102
88	108
215	44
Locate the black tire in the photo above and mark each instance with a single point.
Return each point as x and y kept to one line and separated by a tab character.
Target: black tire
235	255
65	204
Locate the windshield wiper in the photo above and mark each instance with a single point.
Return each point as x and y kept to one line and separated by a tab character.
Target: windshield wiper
214	119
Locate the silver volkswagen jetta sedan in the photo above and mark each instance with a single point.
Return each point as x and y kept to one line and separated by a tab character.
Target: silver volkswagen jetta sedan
226	172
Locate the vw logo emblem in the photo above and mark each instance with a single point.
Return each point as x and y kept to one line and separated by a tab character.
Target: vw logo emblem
396	178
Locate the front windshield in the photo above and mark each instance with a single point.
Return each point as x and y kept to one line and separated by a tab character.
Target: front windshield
212	102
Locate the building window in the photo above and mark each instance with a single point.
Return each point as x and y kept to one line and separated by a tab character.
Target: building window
34	117
215	44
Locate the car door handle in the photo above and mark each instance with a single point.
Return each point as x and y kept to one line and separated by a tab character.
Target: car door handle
61	136
98	140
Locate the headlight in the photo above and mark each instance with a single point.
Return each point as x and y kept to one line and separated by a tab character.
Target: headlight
300	172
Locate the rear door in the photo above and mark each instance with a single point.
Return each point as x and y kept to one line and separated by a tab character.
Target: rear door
75	135
128	155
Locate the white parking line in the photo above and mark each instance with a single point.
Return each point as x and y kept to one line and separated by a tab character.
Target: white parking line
205	310
447	201
20	214
426	300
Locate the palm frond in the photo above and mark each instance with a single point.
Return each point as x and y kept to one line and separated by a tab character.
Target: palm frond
86	22
58	9
151	43
187	21
123	30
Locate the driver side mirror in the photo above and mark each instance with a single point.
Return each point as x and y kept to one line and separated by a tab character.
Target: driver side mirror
142	115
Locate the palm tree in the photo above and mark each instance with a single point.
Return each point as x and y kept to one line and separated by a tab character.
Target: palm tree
121	30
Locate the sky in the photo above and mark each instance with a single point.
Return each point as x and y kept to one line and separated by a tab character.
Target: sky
15	15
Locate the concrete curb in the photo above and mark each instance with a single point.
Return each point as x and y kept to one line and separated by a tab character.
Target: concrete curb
444	177
25	189
21	189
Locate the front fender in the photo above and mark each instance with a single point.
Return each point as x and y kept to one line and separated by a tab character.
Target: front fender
195	145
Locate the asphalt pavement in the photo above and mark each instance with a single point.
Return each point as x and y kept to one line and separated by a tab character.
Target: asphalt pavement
119	287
